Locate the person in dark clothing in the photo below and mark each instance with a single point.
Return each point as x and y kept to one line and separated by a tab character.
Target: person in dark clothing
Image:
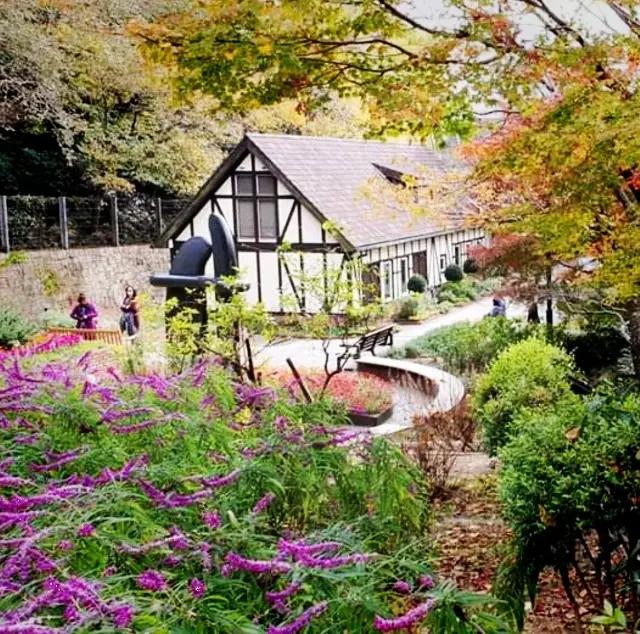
533	316
84	314
130	320
499	308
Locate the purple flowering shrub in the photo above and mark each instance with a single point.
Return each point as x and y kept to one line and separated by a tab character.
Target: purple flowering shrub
190	503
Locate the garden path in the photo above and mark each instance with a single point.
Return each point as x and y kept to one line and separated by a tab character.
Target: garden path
308	353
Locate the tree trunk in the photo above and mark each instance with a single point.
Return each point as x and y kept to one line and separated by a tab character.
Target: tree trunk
633	324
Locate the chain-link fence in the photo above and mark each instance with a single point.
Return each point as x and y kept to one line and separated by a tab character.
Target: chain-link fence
38	222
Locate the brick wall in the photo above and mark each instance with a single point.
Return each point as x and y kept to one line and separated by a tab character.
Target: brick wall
53	278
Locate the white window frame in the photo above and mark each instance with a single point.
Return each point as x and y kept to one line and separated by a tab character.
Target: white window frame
402	290
386	280
443	262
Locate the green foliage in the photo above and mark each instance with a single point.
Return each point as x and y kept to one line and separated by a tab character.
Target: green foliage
417	284
571	478
530	374
468	348
453	273
409	308
594	349
470	266
15	257
14	330
50	282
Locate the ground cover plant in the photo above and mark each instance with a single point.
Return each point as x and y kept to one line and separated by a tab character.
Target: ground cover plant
191	503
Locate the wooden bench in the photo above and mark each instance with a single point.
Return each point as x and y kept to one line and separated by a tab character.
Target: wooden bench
105	336
368	342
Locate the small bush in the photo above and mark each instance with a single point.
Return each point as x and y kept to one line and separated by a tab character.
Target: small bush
409	307
529	374
470	266
14	330
417	284
453	273
567	485
411	352
469	348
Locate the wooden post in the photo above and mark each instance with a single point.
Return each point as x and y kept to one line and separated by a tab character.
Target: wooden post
159	223
64	222
4	225
251	372
303	387
549	300
114	221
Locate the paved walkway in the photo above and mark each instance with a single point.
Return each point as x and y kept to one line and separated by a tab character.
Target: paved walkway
308	353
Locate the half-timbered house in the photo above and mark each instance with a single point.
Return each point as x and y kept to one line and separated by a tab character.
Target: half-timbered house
277	189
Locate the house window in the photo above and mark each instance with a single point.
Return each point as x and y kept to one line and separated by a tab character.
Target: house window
246	219
404	275
443	261
267	216
456	254
244	184
256	207
386	281
266	185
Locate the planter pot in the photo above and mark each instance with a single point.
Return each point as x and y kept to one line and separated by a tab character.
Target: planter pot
370	420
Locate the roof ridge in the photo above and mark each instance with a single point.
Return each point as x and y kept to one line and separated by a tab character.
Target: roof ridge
340	139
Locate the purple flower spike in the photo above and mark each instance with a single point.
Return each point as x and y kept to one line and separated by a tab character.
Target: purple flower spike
122	616
282	595
408	620
86	530
152	580
197	588
234	561
301	622
425	582
402	587
335	562
263	503
109	571
211	520
64	545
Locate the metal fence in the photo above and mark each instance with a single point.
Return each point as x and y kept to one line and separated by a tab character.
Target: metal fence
40	222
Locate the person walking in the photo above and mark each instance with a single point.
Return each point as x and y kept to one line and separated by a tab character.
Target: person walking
130	319
84	314
533	316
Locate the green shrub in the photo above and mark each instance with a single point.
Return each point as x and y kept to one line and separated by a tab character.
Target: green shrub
14	330
411	351
453	273
409	307
467	348
570	481
470	266
595	349
417	284
529	374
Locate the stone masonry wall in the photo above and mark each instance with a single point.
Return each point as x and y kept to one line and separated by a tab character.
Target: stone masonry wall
52	279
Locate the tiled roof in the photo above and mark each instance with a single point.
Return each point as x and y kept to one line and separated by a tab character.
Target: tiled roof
333	174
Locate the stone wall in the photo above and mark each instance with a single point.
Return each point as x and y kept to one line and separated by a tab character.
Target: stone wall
52	279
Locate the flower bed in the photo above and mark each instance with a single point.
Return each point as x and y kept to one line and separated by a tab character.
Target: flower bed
360	393
191	504
41	344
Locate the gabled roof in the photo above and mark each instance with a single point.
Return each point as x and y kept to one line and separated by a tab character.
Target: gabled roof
329	176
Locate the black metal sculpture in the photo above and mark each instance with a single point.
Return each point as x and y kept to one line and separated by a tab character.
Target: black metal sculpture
186	281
